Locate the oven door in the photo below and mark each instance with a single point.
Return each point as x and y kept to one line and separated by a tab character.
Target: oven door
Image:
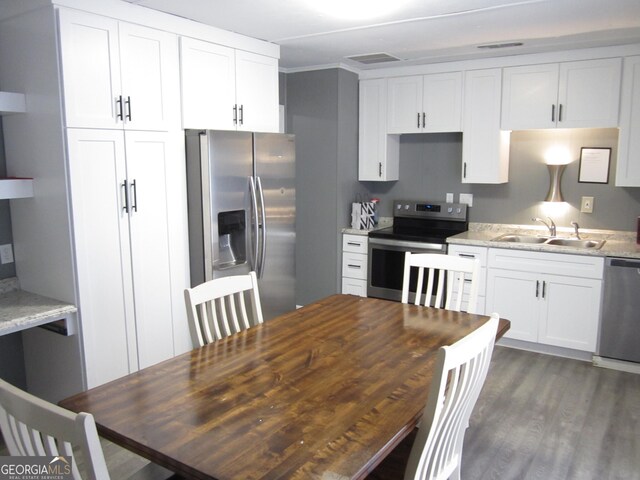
386	266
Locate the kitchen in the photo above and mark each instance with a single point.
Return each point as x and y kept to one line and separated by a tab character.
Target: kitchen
322	110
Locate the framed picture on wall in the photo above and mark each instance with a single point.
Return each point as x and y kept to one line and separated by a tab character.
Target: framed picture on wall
594	165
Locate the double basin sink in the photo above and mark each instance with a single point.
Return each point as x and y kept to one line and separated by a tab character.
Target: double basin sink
557	241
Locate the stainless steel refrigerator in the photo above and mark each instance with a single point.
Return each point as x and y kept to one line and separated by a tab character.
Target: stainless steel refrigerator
242	210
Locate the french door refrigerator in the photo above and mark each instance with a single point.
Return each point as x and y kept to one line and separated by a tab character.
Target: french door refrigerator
241	200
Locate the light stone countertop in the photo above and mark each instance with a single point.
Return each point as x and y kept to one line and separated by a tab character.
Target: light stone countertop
20	310
617	243
383	222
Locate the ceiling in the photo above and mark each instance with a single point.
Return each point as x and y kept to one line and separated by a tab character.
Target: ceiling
419	31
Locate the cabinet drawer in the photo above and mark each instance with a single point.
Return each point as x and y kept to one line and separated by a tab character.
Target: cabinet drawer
354	243
354	286
354	265
472	252
584	266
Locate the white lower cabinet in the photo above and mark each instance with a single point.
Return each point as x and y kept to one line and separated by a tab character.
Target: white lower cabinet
121	233
552	299
354	264
467	251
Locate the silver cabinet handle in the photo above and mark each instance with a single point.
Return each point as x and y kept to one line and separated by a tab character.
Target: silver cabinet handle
354	266
120	109
553	113
134	191
418	125
355	244
560	113
241	114
537	288
544	289
424	120
128	105
235	114
125	187
380	169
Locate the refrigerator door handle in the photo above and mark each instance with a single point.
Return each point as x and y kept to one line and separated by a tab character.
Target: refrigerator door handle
263	226
254	237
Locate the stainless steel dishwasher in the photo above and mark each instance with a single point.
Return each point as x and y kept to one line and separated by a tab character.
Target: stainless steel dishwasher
620	326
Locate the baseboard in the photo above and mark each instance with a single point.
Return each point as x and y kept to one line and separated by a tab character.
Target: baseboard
613	364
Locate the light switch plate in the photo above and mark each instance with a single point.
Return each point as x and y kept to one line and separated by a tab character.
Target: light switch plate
467	198
6	254
586	206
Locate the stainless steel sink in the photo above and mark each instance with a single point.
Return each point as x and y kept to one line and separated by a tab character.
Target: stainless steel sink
574	242
515	238
558	242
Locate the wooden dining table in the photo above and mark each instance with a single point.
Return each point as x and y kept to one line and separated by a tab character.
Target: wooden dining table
323	392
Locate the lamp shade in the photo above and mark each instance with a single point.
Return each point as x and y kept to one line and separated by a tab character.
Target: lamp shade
555	176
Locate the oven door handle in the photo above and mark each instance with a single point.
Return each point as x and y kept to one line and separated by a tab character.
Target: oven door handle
408	244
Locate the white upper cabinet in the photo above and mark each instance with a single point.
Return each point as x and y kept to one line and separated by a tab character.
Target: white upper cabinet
378	153
628	169
428	103
583	94
117	75
228	89
257	92
485	148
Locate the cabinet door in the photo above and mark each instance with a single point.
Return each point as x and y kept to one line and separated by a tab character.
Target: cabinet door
529	97
442	102
257	92
150	79
589	93
571	310
514	295
148	155
628	168
485	148
404	110
101	236
378	153
90	69
208	85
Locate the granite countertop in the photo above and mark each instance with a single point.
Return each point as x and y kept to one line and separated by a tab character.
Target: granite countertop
20	309
384	222
617	243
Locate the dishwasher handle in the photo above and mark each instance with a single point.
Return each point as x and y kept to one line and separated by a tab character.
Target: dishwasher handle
623	262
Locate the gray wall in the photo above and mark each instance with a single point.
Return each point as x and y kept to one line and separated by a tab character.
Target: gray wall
430	166
322	111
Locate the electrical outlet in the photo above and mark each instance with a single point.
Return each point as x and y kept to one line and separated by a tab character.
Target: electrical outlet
587	205
6	254
449	198
467	198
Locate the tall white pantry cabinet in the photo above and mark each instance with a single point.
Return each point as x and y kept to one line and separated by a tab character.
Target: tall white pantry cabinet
106	228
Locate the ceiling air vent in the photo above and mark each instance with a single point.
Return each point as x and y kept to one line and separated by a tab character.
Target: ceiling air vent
491	46
374	58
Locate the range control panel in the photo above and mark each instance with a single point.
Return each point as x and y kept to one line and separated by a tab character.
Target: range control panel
435	210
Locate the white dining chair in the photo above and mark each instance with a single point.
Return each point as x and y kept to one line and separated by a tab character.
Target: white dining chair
32	427
460	372
217	308
448	274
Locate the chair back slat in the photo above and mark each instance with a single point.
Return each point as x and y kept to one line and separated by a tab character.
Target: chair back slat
217	308
456	276
33	427
458	378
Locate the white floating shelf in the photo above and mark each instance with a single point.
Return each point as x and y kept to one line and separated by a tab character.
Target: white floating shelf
16	188
12	103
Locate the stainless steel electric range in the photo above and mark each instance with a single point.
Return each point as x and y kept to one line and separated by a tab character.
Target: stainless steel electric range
418	227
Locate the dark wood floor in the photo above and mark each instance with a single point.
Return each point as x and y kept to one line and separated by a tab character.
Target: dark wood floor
538	417
544	417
